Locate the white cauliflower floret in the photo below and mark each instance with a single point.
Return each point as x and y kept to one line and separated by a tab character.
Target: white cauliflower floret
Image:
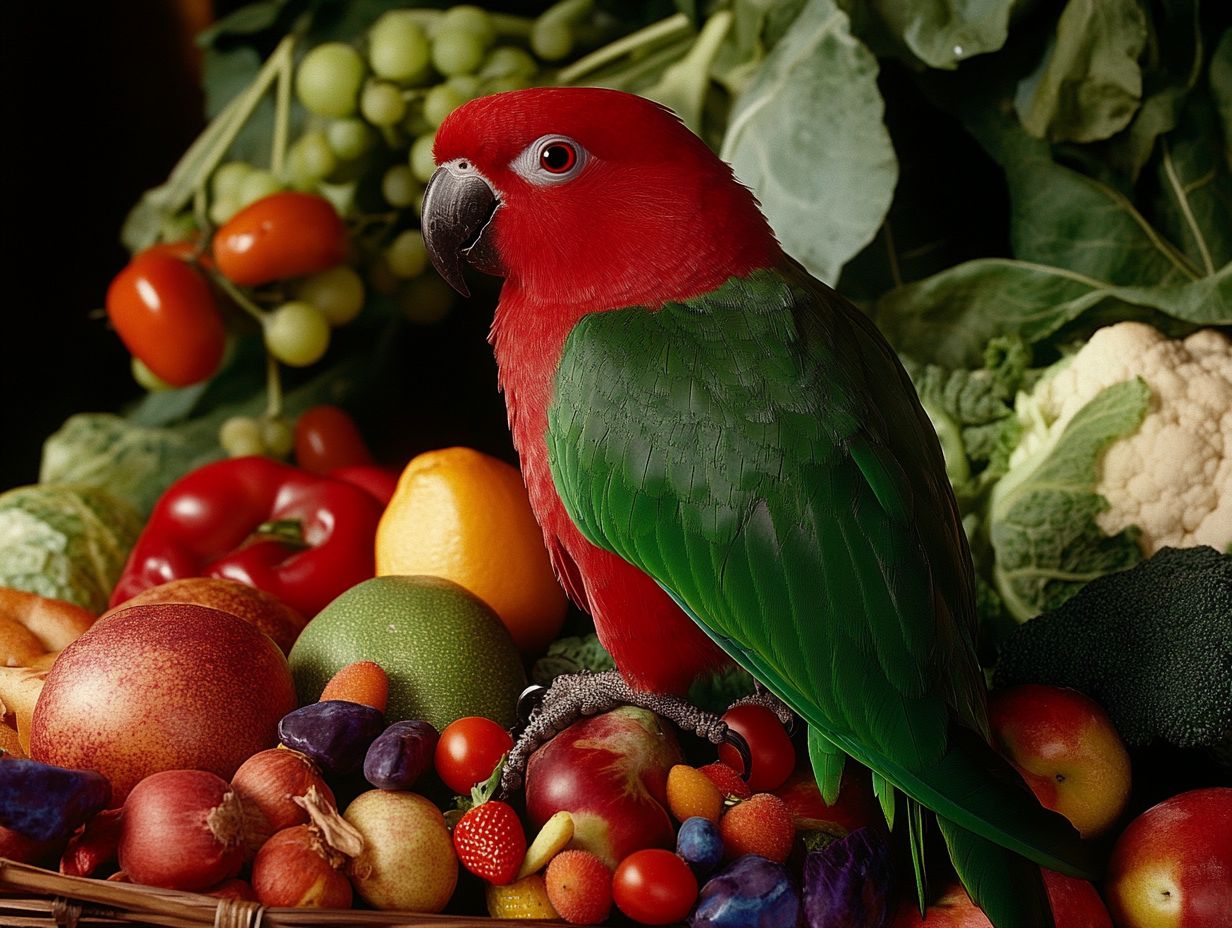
1173	476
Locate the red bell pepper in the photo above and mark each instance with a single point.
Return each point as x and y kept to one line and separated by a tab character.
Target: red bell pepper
298	536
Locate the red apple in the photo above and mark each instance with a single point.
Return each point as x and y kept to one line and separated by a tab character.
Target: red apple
610	773
1172	867
1075	904
1067	750
854	808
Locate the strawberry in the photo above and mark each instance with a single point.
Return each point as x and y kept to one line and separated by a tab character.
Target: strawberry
727	780
761	824
490	841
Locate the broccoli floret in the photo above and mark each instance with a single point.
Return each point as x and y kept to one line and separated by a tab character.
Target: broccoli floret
1152	645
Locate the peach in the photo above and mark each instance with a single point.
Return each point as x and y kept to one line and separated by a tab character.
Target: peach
162	686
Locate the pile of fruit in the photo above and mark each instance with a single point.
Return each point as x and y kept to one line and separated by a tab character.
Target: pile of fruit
244	655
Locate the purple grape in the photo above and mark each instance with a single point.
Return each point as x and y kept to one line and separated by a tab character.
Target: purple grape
698	842
751	893
400	755
335	733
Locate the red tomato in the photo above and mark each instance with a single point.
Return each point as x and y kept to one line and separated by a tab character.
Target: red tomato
468	751
654	887
380	482
165	314
282	235
774	756
326	438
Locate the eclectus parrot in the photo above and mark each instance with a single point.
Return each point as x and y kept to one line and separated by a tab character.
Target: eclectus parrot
729	462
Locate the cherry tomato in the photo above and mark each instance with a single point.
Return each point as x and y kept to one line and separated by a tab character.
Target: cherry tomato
285	234
654	887
381	482
326	438
774	756
468	751
165	314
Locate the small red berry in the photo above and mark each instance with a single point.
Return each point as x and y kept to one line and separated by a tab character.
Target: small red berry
491	842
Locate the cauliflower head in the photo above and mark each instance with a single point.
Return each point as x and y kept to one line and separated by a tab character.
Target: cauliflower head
1172	476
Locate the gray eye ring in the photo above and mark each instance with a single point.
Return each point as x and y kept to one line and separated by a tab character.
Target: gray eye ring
535	163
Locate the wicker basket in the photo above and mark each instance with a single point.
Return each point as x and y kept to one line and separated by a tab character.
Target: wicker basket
33	897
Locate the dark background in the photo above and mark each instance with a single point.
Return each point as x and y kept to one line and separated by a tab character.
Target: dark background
101	100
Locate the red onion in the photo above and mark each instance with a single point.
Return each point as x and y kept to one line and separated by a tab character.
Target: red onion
298	867
182	829
268	784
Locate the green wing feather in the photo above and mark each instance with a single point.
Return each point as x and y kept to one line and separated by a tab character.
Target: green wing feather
759	453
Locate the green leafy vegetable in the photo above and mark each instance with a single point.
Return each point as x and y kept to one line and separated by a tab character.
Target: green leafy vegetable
807	136
66	542
133	462
1041	514
1088	84
572	655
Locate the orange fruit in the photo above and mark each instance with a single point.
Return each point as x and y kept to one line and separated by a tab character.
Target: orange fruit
463	515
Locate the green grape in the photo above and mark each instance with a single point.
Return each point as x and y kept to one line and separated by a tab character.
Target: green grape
310	159
148	380
406	254
509	61
504	84
415	124
468	85
277	436
337	292
329	79
551	39
222	210
440	101
178	228
258	184
425	299
297	333
397	47
227	179
350	139
456	52
382	104
241	436
421	160
468	18
399	186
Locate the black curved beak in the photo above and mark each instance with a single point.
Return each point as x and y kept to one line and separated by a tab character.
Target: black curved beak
458	206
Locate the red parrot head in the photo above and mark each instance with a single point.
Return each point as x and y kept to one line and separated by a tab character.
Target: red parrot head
587	196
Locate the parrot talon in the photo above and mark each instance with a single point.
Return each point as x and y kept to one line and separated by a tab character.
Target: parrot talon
737	741
529	701
767	700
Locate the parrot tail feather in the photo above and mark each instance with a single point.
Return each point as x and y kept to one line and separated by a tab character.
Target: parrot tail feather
915	837
1008	887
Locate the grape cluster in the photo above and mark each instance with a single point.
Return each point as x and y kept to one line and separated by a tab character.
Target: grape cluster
367	112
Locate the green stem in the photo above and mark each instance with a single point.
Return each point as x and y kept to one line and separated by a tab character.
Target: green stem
282	116
512	27
238	110
240	299
663	30
627	76
273	388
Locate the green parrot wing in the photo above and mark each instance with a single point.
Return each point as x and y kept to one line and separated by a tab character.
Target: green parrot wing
757	451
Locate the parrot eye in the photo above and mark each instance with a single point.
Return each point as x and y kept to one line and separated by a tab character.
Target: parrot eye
551	159
557	157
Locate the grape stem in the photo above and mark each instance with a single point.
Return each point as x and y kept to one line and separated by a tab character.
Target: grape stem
273	388
664	30
238	296
282	116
